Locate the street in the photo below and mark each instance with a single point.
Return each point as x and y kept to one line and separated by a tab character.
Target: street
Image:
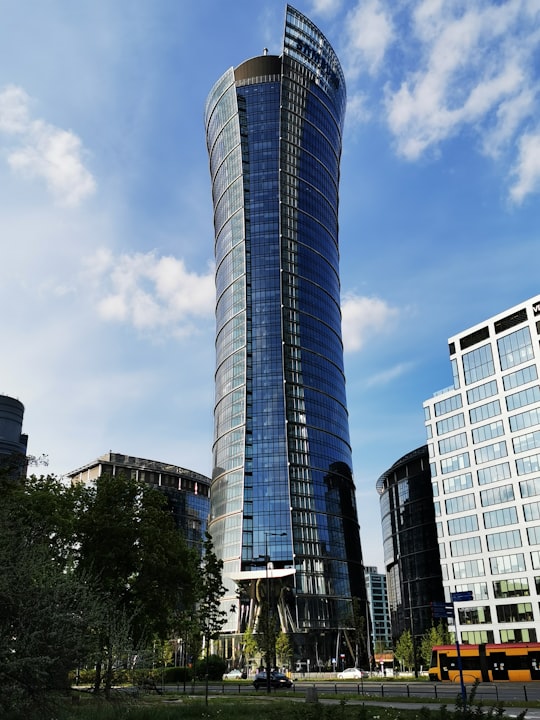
370	690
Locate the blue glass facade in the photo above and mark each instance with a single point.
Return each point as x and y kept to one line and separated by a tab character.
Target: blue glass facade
282	484
411	546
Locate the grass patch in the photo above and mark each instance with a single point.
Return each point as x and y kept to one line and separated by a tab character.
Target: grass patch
125	706
234	709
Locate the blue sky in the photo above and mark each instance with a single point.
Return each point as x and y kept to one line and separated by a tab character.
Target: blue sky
106	232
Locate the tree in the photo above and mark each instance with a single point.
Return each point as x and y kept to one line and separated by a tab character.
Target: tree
48	508
45	610
436	635
140	563
187	634
211	590
404	650
86	572
284	649
268	630
249	645
211	667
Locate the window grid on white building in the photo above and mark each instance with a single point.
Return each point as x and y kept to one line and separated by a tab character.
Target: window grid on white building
484	452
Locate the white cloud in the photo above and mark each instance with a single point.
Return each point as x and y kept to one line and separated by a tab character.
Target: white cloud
158	293
151	292
44	151
117	392
363	317
464	66
527	168
472	64
509	116
55	156
387	376
369	33
14	110
358	110
325	7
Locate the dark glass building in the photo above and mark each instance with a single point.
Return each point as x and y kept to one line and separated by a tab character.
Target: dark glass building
13	442
282	489
411	548
188	492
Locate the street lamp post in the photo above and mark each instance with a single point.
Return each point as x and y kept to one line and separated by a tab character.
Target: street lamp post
448	610
268	615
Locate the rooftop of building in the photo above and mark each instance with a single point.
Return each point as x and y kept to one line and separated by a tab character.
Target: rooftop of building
130	461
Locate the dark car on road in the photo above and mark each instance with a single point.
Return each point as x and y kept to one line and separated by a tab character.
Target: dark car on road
277	680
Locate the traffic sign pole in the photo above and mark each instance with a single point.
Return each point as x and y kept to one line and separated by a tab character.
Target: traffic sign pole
447	610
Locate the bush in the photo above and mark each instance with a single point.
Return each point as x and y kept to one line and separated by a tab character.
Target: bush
216	667
140	675
127	676
84	676
172	675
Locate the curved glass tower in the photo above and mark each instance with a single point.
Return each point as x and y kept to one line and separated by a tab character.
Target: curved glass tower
411	546
283	505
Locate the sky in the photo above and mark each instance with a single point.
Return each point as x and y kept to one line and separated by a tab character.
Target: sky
106	236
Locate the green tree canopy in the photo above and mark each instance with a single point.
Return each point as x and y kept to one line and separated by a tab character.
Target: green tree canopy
128	541
211	590
210	615
436	635
140	562
45	611
404	650
284	650
249	643
86	571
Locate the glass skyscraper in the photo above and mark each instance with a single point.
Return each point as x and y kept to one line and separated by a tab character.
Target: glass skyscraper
283	503
411	551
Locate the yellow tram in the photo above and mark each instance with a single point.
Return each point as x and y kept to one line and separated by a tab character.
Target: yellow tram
515	662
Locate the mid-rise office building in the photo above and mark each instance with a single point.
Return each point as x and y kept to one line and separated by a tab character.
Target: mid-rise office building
188	492
484	446
381	629
283	494
411	553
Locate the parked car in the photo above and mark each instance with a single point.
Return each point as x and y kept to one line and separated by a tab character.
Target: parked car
235	675
277	680
353	674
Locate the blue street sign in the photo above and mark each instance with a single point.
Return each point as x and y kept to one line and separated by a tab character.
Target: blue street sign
442	610
461	596
439	614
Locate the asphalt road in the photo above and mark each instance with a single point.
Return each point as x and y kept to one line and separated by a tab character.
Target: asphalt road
369	691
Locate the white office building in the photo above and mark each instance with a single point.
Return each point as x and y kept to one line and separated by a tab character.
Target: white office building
484	447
